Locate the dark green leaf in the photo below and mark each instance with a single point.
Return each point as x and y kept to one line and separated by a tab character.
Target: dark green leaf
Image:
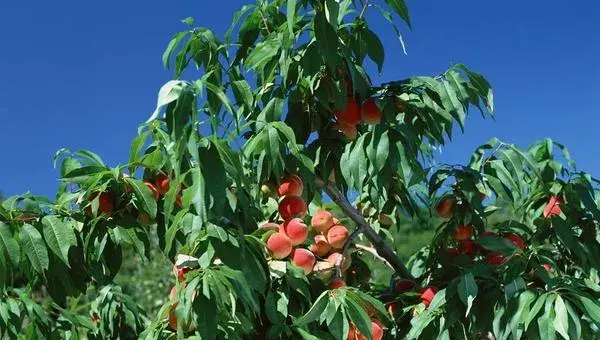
9	244
143	195
467	290
59	236
34	248
327	39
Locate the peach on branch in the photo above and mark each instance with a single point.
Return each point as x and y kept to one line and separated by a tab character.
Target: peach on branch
105	203
292	206
516	240
335	257
322	220
336	283
495	258
322	247
349	130
553	207
468	248
370	112
162	183
427	295
279	245
303	259
153	189
337	235
462	232
296	230
350	114
445	207
376	330
291	185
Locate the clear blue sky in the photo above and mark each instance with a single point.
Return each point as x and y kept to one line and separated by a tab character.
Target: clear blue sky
84	74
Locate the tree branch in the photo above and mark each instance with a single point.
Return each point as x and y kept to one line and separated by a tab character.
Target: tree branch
382	248
365	5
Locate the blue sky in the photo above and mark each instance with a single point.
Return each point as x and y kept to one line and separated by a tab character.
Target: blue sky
82	74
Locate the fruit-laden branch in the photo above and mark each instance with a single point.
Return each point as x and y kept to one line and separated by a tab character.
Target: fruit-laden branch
382	248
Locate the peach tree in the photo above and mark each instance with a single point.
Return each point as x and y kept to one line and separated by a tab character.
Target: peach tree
232	173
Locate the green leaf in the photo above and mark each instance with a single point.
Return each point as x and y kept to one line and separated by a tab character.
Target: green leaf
315	311
327	39
498	244
359	317
399	6
271	113
561	321
34	248
467	290
375	48
291	15
136	147
59	236
264	52
546	321
168	93
9	244
515	286
144	196
591	308
533	312
171	47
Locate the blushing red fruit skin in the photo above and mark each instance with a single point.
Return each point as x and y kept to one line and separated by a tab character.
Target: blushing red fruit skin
296	230
516	240
322	246
403	286
162	183
393	308
270	226
303	259
180	273
292	206
336	236
334	257
336	283
553	207
349	130
291	185
547	267
376	330
445	208
427	295
370	112
322	220
468	248
462	232
350	114
279	245
495	259
152	188
105	203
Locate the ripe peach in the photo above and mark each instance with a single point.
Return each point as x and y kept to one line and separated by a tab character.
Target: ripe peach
322	246
336	283
303	259
403	286
427	295
334	258
370	112
468	248
376	330
516	240
180	272
105	203
322	220
296	230
462	232
336	236
394	308
336	221
270	226
279	245
350	114
349	130
162	183
553	207
547	267
323	270
495	259
292	206
152	188
445	208
291	185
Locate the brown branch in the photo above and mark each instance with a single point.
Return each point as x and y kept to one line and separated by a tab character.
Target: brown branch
382	248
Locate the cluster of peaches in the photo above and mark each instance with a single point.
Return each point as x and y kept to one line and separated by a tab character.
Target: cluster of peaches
287	238
108	202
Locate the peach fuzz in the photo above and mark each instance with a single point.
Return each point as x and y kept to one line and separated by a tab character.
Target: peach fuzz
322	220
292	206
370	112
350	114
279	245
445	208
336	236
336	283
303	259
291	185
296	230
322	247
162	183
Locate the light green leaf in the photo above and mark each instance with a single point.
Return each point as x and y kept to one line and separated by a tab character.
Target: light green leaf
144	196
34	248
291	15
315	311
168	93
9	244
561	321
59	236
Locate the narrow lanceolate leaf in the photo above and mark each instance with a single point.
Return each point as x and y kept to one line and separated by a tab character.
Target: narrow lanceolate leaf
34	248
561	320
143	196
168	93
591	308
291	14
8	244
327	39
399	6
467	290
315	311
59	236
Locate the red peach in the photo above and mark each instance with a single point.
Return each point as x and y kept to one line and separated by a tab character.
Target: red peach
468	248
336	283
349	130
322	220
495	259
427	295
337	235
270	226
162	183
105	202
462	232
445	208
152	188
291	185
296	230
547	267
279	245
350	114
394	308
452	253
516	240
303	259
376	330
370	112
553	207
180	272
322	246
292	206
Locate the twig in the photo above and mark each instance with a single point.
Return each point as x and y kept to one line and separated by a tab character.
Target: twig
362	12
382	248
262	15
373	252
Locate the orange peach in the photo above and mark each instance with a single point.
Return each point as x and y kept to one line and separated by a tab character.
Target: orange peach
336	236
322	220
279	245
296	230
335	257
152	188
303	259
350	114
427	295
105	203
445	208
291	185
162	183
462	232
292	206
370	112
336	283
322	246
